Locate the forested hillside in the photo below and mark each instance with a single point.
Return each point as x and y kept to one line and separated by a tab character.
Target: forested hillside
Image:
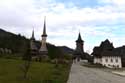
18	44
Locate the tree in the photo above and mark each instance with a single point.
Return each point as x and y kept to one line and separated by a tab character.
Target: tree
27	62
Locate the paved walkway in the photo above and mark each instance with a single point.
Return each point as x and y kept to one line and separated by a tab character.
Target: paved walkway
81	74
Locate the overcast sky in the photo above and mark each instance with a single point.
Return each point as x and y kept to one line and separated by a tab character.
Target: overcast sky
97	20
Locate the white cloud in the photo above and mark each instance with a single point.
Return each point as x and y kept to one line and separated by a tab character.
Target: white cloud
114	2
63	22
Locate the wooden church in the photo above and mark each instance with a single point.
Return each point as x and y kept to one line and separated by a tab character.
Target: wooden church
79	53
107	55
42	52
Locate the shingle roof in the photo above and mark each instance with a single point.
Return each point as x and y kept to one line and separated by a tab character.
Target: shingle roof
33	46
105	49
32	42
96	51
79	38
106	45
33	38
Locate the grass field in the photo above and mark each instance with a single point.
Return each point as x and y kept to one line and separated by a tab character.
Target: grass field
10	72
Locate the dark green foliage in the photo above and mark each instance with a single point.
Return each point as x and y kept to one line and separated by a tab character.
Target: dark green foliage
27	61
16	43
27	53
53	51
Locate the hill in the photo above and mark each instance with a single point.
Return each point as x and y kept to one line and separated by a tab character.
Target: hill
18	44
66	49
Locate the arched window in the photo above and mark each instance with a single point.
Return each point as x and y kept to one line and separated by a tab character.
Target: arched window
117	66
106	60
111	60
116	60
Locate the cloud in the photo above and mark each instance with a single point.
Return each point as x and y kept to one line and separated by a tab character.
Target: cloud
114	2
64	20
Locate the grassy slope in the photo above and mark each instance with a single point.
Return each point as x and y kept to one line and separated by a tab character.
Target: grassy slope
10	72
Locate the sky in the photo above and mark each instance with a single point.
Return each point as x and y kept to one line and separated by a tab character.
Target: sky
96	20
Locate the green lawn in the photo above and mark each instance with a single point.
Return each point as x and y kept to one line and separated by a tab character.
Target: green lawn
10	72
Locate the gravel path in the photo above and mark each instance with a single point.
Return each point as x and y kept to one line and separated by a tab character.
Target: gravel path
81	74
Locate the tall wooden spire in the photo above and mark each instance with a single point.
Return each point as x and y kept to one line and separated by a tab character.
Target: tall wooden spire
43	51
44	28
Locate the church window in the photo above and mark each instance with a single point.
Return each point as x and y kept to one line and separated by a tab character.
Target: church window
106	60
116	60
101	60
111	60
117	66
